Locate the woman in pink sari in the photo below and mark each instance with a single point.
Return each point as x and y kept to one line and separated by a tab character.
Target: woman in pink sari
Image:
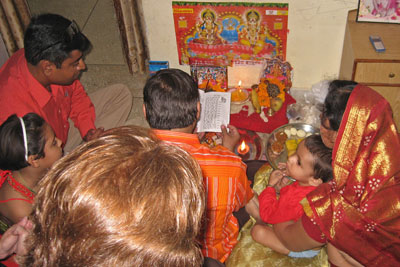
358	212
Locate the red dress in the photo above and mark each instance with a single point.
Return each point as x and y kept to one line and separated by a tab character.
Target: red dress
287	207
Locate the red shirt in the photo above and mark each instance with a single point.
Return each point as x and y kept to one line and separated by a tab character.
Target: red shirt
227	190
287	207
21	93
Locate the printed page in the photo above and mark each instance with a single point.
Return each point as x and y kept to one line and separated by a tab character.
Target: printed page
215	111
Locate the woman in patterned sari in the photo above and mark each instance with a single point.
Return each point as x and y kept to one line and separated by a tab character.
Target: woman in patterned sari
358	213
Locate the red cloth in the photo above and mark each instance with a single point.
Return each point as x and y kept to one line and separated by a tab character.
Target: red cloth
312	229
9	261
21	93
255	123
359	210
287	207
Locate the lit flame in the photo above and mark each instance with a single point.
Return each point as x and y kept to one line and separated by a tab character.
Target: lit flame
242	146
240	83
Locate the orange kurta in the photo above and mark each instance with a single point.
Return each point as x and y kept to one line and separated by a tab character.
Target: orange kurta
227	190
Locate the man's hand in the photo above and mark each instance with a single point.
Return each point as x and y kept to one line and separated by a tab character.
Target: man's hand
13	239
93	134
230	139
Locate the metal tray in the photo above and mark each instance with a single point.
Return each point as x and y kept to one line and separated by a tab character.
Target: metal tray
273	159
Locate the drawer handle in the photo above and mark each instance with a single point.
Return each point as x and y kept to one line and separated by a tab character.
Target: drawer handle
391	75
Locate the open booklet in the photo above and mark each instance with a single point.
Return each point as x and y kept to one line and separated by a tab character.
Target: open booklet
215	111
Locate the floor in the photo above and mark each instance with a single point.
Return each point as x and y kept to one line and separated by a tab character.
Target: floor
105	63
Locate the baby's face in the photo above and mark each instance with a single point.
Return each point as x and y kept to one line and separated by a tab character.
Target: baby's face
300	165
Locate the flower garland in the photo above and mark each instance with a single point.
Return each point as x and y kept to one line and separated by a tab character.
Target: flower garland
264	97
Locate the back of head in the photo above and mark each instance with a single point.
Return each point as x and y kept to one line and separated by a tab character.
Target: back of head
12	148
170	98
322	157
124	199
52	37
336	101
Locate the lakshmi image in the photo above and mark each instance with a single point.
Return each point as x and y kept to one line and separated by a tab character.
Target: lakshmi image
253	34
208	32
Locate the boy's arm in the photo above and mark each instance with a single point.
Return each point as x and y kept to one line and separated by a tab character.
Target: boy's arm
268	203
252	208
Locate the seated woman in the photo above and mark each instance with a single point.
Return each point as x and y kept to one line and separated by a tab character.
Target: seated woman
28	148
124	199
358	124
359	211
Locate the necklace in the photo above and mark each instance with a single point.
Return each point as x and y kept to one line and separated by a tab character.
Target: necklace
23	182
7	175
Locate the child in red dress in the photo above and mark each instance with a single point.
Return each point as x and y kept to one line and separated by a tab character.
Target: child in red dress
309	167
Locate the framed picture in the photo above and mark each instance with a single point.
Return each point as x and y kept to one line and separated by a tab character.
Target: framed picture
385	11
210	78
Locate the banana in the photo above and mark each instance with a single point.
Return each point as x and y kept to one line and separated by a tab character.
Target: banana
254	100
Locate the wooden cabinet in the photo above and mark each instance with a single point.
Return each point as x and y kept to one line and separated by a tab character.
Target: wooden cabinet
361	63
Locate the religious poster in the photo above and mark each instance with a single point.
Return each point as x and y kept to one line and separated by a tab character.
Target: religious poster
210	77
217	34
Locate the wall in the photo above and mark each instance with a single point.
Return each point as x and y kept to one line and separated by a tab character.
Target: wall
315	38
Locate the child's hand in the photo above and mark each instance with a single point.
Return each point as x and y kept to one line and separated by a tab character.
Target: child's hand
275	177
284	181
282	165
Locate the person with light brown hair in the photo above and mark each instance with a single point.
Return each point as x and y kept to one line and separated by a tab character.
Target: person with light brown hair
124	199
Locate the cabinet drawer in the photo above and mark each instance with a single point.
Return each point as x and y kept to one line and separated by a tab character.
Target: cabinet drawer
377	72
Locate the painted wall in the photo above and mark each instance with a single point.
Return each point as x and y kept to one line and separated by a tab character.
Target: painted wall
315	38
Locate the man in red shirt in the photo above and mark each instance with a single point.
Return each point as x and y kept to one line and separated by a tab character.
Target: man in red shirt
44	78
172	108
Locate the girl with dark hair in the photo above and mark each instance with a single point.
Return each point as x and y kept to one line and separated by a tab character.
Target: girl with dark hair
28	148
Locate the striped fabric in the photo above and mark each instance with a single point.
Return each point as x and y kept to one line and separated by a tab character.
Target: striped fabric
227	190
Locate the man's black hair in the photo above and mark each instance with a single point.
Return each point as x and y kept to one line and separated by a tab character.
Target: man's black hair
170	98
52	37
